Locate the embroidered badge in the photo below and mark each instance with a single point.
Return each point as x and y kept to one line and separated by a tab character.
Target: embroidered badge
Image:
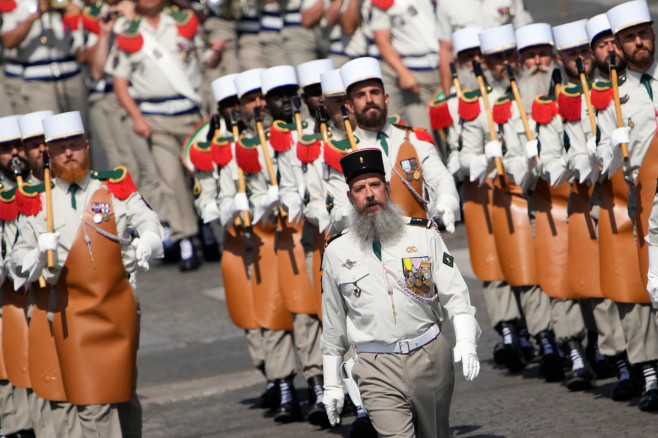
349	264
417	274
448	259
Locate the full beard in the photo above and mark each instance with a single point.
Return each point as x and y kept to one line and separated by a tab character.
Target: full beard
73	171
604	66
372	119
533	82
642	57
8	171
387	226
467	79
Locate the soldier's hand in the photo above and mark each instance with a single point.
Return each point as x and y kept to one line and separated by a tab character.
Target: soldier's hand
141	126
127	9
147	246
447	217
407	81
493	149
48	242
333	400
210	212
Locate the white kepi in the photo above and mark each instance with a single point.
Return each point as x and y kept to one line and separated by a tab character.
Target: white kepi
248	81
279	76
9	130
535	34
31	124
628	15
570	35
224	87
597	25
332	83
61	126
466	38
359	70
309	72
497	39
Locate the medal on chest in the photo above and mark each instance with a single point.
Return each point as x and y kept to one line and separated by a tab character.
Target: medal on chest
417	274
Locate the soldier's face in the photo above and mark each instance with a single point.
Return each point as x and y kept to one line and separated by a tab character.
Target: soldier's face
369	193
568	60
144	6
466	57
69	158
537	57
368	102
333	108
637	44
497	63
601	50
250	101
313	97
9	150
34	148
279	103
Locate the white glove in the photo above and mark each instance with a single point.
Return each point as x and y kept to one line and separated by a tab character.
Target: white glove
295	207
532	149
493	149
48	242
333	398
147	246
447	217
210	212
557	172
479	168
35	260
324	220
591	146
583	165
610	158
240	203
517	170
467	333
272	196
620	135
652	283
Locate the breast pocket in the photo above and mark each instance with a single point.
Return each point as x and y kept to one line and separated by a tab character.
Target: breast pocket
351	283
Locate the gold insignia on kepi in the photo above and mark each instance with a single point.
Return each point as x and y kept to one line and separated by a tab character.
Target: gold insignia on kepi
448	259
360	159
196	189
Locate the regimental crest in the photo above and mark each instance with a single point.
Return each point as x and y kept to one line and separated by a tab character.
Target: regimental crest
349	264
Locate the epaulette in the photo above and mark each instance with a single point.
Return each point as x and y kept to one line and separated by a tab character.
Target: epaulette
383	4
601	94
440	117
186	21
502	109
469	105
334	150
421	222
544	109
131	40
8	207
334	237
280	135
90	16
569	102
201	156
221	150
119	182
7	6
28	201
309	148
395	119
71	21
246	154
422	134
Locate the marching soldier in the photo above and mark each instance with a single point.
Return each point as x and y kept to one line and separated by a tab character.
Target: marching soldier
406	389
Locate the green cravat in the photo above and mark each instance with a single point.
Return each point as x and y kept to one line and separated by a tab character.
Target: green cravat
646	81
73	188
377	249
382	140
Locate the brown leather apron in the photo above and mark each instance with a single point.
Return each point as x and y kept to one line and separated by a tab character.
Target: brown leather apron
269	308
45	372
646	191
14	335
479	228
583	254
3	369
551	240
513	234
237	284
318	250
294	283
618	255
95	324
400	193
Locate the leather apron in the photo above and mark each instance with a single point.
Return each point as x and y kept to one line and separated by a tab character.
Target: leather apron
269	308
479	228
294	282
237	283
318	251
400	193
14	335
513	234
3	369
45	371
618	255
646	191
95	324
583	254
551	240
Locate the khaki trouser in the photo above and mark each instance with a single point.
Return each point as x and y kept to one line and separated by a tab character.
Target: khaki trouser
65	418
611	337
225	31
408	395
501	302
273	51
279	354
106	131
568	322
338	60
307	331
639	324
99	421
250	52
60	96
6	108
536	307
14	408
256	349
411	107
299	44
13	89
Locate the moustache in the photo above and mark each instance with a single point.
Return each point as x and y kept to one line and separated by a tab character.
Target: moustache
372	106
373	203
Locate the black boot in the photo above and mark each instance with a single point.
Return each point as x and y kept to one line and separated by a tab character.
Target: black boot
528	350
317	415
269	399
171	249
626	387
550	364
603	368
26	433
649	400
189	255
581	375
362	426
509	352
209	244
289	409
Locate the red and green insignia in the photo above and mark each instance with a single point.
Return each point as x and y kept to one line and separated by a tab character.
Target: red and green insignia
544	109
309	147
334	150
569	103
8	207
601	94
201	156
383	4
502	109
440	117
395	119
280	135
469	105
28	201
221	150
7	6
130	40
90	16
246	154
186	22
422	134
119	182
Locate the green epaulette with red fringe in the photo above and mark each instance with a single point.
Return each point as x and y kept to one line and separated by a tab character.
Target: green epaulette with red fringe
440	117
8	205
130	40
28	201
502	109
221	150
90	16
309	147
186	21
246	154
334	150
420	132
7	6
281	135
544	109
119	182
201	156
395	119
569	102
469	105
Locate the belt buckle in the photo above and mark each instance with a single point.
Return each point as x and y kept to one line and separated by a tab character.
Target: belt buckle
54	68
404	347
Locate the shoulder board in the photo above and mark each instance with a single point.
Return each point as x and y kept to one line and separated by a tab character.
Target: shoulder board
35	189
570	102
334	150
601	94
220	149
544	109
383	4
572	90
421	222
119	182
246	154
8	207
440	117
502	100
280	136
310	138
28	201
395	119
248	142
469	105
201	156
186	21
8	195
502	109
7	6
342	145
334	237
130	40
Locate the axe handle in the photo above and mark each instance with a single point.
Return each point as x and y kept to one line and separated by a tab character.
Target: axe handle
620	122
490	121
